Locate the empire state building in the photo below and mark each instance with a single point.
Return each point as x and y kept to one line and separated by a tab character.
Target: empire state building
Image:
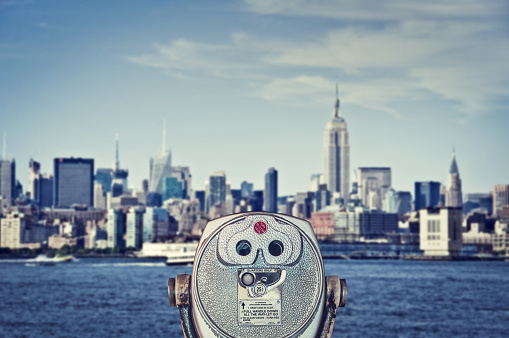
336	154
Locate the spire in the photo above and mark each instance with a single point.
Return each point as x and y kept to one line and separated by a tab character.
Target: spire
117	161
454	166
164	135
337	113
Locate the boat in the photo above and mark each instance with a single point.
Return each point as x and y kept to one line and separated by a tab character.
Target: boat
175	253
44	260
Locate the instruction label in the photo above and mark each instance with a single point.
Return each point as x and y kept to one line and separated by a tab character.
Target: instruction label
255	312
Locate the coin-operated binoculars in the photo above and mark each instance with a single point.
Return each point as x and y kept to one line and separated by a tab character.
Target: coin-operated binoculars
257	274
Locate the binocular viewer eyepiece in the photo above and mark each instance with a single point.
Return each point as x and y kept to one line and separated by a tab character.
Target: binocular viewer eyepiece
257	274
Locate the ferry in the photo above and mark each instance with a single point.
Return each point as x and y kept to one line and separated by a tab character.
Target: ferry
42	259
175	253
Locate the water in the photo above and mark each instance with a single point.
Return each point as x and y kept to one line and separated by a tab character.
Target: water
128	298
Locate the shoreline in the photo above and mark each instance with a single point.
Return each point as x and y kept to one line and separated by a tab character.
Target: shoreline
421	258
325	257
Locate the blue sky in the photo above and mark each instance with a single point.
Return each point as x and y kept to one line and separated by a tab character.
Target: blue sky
248	85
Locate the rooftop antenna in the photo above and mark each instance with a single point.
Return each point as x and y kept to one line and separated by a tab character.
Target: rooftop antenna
117	162
337	113
164	135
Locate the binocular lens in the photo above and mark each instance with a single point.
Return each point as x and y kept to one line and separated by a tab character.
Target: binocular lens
276	248
243	248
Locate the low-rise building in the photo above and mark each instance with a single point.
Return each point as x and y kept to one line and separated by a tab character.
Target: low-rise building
440	231
58	241
500	238
12	233
123	201
341	225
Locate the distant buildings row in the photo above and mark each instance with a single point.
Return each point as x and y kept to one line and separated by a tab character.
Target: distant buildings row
366	209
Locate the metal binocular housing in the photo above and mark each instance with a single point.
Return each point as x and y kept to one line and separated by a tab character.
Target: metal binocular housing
257	274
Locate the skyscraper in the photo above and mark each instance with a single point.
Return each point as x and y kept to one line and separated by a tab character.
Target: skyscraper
200	196
217	189
172	188
34	180
453	196
500	198
315	181
73	182
40	186
373	184
46	195
184	176
246	189
336	154
116	228
104	176
322	198
160	166
148	225
99	196
404	202
270	192
390	201
134	228
7	178
427	194
7	181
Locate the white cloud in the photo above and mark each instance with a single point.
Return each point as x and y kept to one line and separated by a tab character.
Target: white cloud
405	45
375	10
238	58
398	50
280	89
461	62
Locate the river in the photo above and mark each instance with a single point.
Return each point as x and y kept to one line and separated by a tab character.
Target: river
128	298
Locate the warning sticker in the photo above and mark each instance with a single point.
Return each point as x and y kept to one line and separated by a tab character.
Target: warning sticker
259	312
259	296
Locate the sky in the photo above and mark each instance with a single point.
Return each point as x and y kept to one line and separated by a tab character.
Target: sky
248	85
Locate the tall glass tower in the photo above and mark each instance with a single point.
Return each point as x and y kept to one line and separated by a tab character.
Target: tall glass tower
160	167
336	154
270	192
73	182
217	189
7	178
427	194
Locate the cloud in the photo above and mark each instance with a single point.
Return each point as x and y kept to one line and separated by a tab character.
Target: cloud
280	89
238	58
381	10
395	51
461	62
13	3
408	44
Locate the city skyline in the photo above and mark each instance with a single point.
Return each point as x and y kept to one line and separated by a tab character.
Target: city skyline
255	89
